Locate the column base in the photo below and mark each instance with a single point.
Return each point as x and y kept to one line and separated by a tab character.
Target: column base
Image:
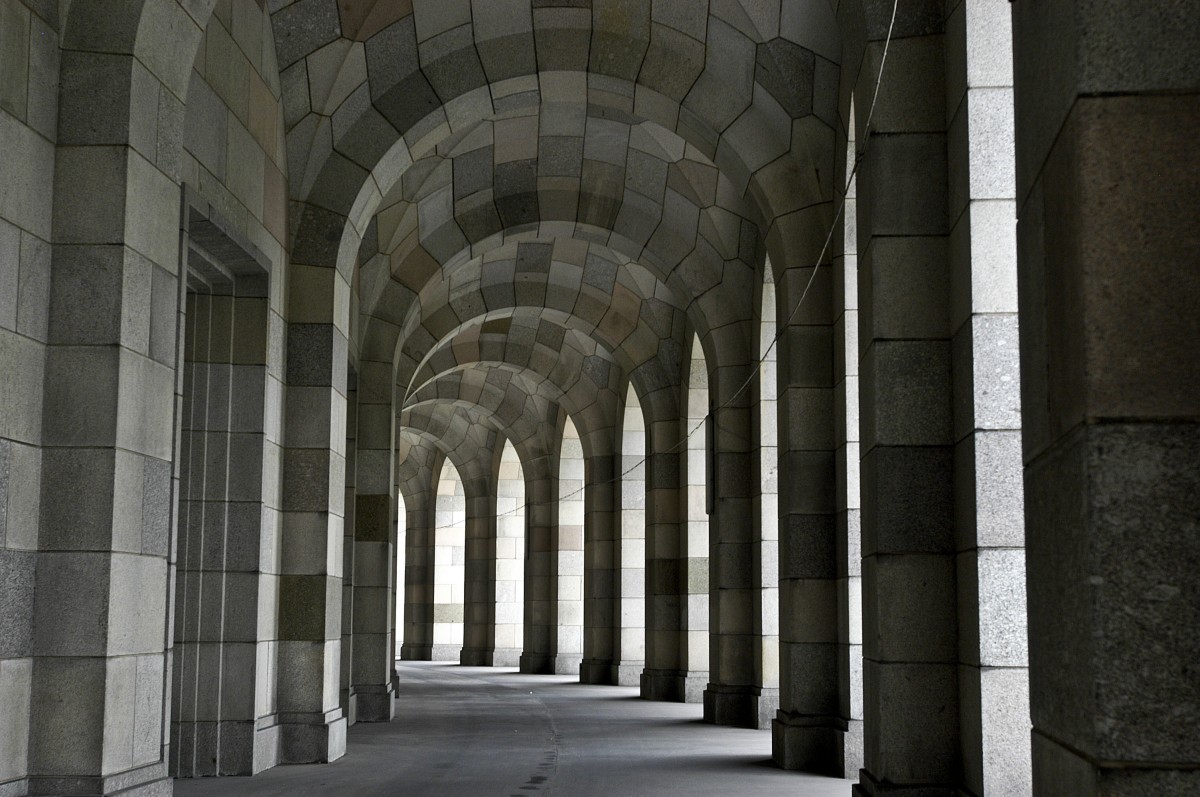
869	787
506	657
476	657
822	745
416	651
597	671
349	705
1058	769
204	749
629	673
148	781
537	663
374	703
673	686
312	738
740	706
445	653
567	665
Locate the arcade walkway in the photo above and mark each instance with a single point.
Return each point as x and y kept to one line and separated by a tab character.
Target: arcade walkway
484	732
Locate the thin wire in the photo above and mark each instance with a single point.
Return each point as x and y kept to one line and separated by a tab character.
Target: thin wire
833	226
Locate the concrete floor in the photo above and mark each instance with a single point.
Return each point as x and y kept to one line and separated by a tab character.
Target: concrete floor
481	731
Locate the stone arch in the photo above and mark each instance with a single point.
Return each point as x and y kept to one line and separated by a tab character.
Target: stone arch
632	547
763	46
449	560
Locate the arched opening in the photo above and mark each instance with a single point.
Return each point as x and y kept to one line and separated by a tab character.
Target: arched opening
633	542
570	552
510	558
698	496
449	564
768	468
401	560
845	271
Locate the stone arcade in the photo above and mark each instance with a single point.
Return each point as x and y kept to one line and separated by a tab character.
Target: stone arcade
649	341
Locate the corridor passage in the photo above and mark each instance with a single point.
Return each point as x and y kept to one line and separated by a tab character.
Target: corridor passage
482	731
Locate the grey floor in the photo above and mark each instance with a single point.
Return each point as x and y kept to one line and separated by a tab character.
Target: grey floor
481	731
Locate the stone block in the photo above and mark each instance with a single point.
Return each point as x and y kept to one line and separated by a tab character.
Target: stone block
17	571
303	27
56	745
85	521
32	297
672	63
44	60
998	759
21	398
93	85
450	61
901	623
136	609
908	500
241	598
120	699
720	94
992	608
562	37
987	374
906	393
10	270
989	498
334	72
71	613
903	286
911	722
16	676
146	402
913	167
983	261
506	57
1133	370
29	168
151	210
90	276
808	547
14	59
1108	582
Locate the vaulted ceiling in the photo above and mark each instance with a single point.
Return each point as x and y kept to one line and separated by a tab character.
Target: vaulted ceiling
538	203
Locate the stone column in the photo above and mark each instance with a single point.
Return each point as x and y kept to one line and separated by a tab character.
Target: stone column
29	128
101	640
664	677
910	638
541	568
479	609
735	694
677	543
814	729
420	504
601	607
1107	112
313	727
373	643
